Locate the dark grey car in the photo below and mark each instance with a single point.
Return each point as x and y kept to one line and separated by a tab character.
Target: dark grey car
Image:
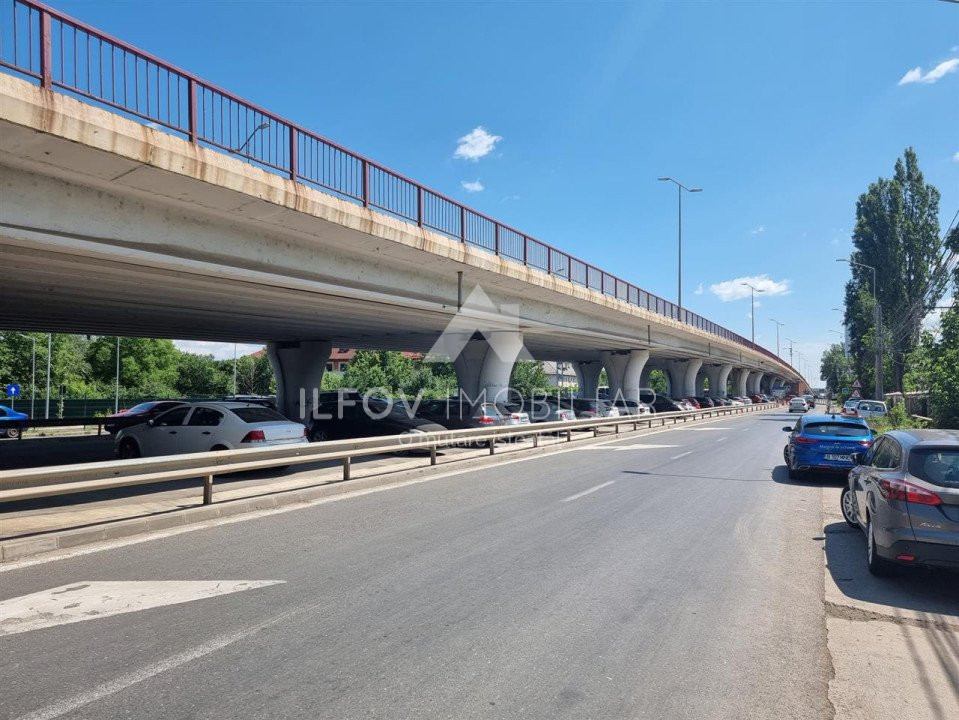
904	495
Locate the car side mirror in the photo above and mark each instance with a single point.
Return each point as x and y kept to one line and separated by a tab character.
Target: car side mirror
787	428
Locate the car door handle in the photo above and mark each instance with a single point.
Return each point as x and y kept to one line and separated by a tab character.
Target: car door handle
207	432
173	432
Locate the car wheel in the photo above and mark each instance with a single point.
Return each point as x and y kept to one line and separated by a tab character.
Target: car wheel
847	501
13	433
219	448
318	435
129	450
877	565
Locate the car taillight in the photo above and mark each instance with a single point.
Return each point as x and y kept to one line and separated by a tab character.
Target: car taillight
306	431
865	443
806	441
486	420
515	416
254	436
902	490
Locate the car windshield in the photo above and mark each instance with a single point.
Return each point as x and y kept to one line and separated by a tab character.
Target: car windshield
257	414
143	407
836	429
938	466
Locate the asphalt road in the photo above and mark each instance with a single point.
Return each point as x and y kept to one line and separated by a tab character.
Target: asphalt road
677	575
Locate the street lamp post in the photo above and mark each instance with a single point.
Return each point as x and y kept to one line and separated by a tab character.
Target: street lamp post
116	388
778	325
679	188
791	343
49	354
752	306
878	314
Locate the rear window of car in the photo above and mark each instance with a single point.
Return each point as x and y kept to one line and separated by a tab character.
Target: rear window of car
938	467
836	429
871	407
257	414
143	407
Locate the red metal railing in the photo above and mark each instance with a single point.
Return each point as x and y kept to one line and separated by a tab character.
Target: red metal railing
63	53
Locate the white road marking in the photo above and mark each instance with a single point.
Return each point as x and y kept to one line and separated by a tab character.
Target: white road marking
722	439
81	601
708	429
636	446
587	492
676	457
112	687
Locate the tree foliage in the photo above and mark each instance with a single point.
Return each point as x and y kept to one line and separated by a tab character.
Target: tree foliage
897	232
835	368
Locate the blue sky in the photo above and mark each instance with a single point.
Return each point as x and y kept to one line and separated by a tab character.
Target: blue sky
782	112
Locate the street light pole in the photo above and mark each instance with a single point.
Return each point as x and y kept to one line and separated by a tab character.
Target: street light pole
234	368
49	355
116	389
791	342
752	306
878	317
778	325
679	189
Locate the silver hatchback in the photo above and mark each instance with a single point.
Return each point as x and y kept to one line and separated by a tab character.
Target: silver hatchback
904	495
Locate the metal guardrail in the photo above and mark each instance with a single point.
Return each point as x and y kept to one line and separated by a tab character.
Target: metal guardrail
66	54
34	483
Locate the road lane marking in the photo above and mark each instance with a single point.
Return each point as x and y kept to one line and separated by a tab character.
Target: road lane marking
681	455
722	439
635	446
587	492
709	429
81	601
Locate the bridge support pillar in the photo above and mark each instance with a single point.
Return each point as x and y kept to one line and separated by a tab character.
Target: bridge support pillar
299	368
755	379
483	367
682	376
625	369
587	377
718	375
739	381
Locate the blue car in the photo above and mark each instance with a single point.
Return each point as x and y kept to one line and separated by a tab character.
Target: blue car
11	421
825	443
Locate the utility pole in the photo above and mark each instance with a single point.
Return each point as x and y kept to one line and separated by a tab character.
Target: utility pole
49	355
116	389
878	315
778	325
752	306
680	187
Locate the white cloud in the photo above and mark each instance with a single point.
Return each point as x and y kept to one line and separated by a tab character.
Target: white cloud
955	158
758	230
937	73
219	350
476	144
735	289
474	186
698	290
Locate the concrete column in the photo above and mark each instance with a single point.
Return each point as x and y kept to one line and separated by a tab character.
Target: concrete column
718	375
587	377
682	375
625	370
739	381
701	378
483	367
299	368
757	378
722	379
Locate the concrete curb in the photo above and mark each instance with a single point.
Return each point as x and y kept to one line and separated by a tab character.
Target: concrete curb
22	548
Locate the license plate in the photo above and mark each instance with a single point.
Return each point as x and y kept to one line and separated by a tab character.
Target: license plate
840	458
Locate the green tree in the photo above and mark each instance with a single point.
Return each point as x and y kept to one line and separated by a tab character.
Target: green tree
201	375
528	379
657	381
384	370
254	375
835	367
148	366
897	232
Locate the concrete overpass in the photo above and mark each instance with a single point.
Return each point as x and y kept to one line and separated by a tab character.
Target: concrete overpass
174	228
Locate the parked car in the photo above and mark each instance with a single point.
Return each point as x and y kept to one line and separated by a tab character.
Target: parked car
547	410
735	400
850	407
757	399
11	422
201	427
693	402
631	407
721	401
513	413
586	409
810	401
139	414
904	495
706	402
683	403
369	417
458	413
798	404
824	443
661	404
871	408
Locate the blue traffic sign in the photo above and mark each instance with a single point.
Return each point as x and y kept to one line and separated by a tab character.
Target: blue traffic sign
13	390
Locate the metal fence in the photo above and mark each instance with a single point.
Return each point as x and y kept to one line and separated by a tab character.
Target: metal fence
65	54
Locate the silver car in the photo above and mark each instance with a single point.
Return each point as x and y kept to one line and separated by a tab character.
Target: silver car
548	410
904	495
